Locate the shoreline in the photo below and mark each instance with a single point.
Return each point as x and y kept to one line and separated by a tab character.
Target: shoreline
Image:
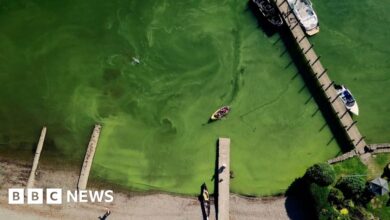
137	205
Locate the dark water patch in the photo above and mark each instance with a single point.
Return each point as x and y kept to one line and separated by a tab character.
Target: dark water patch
110	74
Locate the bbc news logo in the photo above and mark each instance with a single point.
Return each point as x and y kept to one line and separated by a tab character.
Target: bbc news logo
55	196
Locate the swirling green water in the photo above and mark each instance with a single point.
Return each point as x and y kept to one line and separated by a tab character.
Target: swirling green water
68	65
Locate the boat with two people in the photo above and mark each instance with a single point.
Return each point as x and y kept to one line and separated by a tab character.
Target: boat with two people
220	113
268	10
205	200
303	10
347	98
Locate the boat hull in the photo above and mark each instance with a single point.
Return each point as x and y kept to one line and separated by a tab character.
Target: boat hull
313	31
217	115
354	109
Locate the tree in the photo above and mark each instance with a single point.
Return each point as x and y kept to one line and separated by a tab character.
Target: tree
322	174
351	186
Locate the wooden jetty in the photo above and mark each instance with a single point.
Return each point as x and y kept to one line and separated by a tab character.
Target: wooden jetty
321	76
88	159
223	178
343	157
31	178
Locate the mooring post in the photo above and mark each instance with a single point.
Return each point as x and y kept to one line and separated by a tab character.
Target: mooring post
303	37
311	46
31	178
338	95
360	140
353	123
281	3
322	73
295	26
329	86
315	61
342	116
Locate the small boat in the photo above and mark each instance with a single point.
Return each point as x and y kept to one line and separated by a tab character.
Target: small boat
347	98
306	15
220	113
136	60
205	199
267	9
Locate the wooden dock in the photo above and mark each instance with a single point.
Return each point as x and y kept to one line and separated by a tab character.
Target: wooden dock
322	78
31	178
84	174
223	172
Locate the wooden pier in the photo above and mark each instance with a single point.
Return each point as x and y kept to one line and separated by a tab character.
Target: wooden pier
84	174
322	78
31	178
223	172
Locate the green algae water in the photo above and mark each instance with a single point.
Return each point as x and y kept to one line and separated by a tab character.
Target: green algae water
354	44
69	65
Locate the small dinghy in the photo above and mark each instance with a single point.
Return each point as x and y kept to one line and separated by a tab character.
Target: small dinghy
205	200
347	98
220	113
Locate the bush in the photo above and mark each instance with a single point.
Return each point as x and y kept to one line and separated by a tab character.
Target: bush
336	197
351	186
322	174
329	214
319	195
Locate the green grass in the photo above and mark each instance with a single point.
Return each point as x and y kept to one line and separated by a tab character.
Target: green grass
378	206
351	166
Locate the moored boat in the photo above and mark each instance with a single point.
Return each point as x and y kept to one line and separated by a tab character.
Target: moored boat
220	113
267	9
205	199
348	99
303	10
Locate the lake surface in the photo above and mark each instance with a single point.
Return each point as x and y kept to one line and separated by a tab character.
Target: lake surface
69	65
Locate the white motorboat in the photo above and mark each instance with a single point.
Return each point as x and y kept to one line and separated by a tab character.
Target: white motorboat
348	99
306	15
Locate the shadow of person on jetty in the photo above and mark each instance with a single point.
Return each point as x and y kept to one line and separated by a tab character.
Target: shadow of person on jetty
267	27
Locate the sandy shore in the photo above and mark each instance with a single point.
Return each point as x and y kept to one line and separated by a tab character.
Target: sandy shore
125	205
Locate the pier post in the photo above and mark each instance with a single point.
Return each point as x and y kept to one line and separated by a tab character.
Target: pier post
315	61
31	178
329	86
360	140
311	46
323	72
338	95
303	37
86	168
353	123
342	116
